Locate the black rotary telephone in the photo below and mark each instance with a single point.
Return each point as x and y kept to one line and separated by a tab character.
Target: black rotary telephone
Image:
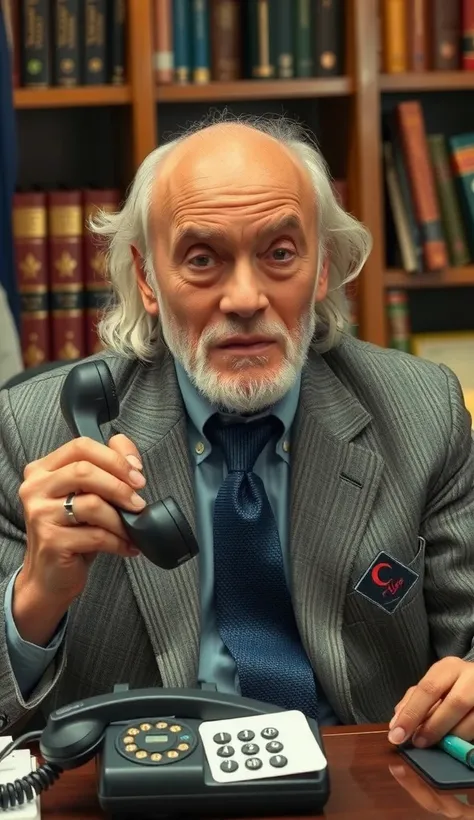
160	531
178	752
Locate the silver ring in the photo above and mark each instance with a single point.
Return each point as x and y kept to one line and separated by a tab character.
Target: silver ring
69	508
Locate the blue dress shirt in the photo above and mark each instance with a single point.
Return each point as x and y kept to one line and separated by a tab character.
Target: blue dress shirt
216	665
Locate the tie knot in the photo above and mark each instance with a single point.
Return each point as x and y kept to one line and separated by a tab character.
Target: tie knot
242	443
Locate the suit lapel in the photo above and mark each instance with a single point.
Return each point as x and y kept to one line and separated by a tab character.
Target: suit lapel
333	486
152	416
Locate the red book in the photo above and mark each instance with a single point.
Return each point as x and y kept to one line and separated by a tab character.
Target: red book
468	35
97	287
420	174
31	256
163	41
66	274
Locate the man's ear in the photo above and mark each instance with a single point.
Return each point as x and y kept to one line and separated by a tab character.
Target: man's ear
146	291
323	282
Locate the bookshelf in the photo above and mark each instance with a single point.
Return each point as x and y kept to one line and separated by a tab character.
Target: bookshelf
345	112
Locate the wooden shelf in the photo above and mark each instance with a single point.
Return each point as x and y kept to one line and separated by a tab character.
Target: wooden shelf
255	90
72	97
427	81
449	278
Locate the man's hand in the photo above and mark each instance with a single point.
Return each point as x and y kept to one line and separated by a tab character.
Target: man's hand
437	802
59	554
441	704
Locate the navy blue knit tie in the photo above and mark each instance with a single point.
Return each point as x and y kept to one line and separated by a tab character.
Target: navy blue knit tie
254	611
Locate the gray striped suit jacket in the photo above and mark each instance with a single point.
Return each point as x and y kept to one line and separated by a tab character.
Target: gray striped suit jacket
382	459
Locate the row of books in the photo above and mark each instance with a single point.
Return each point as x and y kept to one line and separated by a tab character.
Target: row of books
424	35
68	42
430	186
61	272
224	40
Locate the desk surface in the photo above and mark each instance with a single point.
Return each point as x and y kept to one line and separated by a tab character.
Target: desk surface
369	781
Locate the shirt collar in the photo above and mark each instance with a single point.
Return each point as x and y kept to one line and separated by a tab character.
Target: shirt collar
199	410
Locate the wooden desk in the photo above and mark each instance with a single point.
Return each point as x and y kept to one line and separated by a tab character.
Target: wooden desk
362	784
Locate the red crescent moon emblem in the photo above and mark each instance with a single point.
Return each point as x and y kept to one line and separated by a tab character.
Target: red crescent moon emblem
375	575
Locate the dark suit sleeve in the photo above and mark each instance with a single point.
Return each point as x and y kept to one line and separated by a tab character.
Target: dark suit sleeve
448	528
13	460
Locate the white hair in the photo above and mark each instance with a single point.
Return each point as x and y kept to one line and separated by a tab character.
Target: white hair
129	330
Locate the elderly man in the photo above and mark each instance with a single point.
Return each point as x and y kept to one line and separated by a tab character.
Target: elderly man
330	484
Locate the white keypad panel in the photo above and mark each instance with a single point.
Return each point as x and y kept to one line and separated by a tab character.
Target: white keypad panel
261	746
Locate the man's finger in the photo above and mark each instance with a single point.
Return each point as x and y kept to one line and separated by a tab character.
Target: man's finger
456	708
126	448
437	682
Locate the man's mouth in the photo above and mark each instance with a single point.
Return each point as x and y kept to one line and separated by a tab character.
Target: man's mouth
241	345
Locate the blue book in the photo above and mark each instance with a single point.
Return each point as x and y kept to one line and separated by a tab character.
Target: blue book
201	41
182	40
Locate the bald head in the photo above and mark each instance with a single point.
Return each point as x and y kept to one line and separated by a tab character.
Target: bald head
228	159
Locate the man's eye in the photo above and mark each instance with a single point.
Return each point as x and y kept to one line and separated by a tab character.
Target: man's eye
282	254
202	260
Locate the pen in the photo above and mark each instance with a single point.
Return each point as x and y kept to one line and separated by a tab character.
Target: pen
459	749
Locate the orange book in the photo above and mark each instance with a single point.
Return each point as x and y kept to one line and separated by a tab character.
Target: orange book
394	36
422	183
97	287
66	274
31	256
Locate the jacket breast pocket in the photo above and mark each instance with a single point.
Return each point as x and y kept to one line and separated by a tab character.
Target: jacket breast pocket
360	608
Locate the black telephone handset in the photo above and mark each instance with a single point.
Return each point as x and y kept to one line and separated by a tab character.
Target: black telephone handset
160	531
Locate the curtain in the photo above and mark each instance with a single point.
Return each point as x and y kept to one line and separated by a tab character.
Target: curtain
8	160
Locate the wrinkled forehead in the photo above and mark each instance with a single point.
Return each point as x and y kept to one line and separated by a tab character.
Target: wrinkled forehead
228	166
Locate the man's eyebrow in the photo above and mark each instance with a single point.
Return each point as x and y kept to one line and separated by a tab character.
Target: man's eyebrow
199	233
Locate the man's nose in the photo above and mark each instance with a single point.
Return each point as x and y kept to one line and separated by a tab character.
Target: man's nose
244	294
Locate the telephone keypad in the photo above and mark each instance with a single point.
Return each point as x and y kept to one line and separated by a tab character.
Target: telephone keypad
263	746
156	743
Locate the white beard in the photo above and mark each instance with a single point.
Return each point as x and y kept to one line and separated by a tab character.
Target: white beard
231	392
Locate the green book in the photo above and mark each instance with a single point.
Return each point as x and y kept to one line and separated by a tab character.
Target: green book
448	201
281	38
304	62
462	158
398	315
260	65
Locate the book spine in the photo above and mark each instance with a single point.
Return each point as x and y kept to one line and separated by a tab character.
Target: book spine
467	43
66	274
163	45
14	9
95	67
97	288
449	204
417	35
261	66
408	206
304	63
329	38
226	40
281	39
66	43
420	174
446	33
116	25
31	259
394	36
462	158
201	41
398	315
400	219
36	57
182	40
